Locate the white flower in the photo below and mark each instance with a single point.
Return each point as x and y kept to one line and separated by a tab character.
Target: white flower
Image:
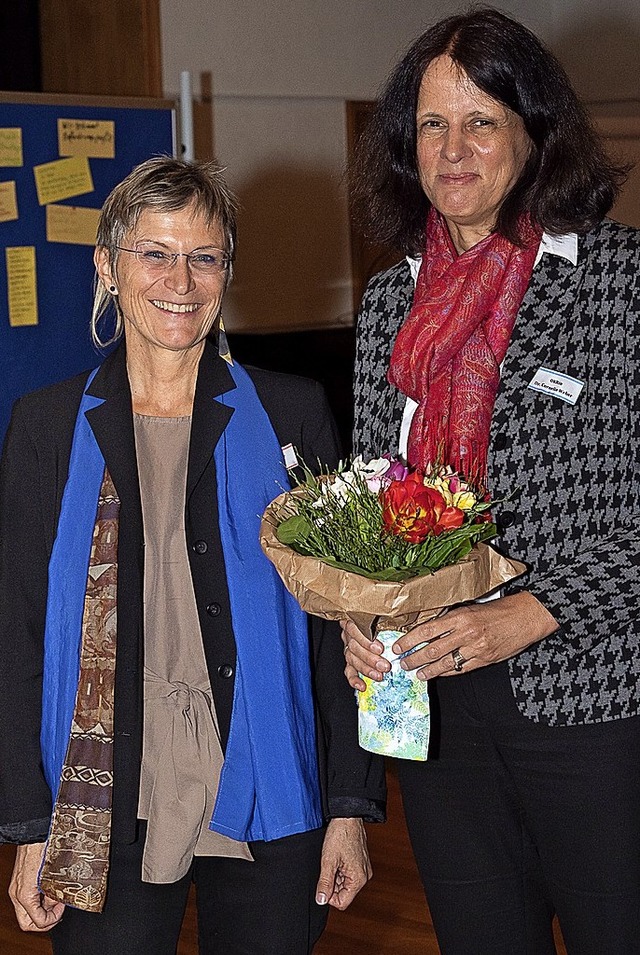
339	489
372	471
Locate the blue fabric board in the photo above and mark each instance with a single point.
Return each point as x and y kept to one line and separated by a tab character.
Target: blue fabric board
60	345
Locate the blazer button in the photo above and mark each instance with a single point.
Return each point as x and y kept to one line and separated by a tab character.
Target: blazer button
213	609
506	520
200	547
500	441
225	671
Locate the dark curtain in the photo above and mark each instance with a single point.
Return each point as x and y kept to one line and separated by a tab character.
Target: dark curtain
20	60
325	355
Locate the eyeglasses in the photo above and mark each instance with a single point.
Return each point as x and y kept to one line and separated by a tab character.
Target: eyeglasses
206	261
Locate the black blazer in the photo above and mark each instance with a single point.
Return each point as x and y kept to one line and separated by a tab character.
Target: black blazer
32	479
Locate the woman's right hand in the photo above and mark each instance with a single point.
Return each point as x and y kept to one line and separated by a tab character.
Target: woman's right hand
35	912
362	655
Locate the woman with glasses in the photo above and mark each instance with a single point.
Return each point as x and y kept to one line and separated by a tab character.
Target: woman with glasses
169	714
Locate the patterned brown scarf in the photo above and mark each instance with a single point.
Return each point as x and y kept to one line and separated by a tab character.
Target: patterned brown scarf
76	858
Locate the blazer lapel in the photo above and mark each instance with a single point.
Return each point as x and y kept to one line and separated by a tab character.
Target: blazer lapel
384	404
543	333
112	425
210	418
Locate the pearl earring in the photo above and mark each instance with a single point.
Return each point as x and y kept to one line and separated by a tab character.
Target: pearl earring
113	290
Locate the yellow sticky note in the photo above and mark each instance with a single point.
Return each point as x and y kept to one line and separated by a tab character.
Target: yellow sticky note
10	146
62	179
73	224
8	201
21	285
87	137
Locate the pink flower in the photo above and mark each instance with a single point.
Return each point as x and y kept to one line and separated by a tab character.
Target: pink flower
374	472
397	471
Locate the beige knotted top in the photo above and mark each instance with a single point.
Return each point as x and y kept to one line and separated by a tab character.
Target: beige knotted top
182	754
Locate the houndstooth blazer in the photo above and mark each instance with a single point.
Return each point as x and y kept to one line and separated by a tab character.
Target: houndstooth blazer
575	518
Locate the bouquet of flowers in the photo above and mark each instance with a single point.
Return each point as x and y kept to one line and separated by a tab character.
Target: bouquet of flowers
388	547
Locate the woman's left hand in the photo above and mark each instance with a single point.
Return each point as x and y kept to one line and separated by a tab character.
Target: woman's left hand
476	635
35	912
345	866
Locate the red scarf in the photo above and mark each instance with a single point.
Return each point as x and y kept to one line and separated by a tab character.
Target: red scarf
448	353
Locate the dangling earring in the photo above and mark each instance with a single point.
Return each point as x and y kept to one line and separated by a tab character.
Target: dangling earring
113	290
223	343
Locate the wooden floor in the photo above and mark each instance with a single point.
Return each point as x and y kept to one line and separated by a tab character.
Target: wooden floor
389	917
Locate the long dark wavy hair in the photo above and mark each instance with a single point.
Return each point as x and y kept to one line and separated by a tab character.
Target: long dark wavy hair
568	184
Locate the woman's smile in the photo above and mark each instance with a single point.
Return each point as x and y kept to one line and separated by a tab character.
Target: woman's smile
167	305
470	151
175	306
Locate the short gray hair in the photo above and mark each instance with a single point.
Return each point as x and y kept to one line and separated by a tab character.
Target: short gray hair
161	184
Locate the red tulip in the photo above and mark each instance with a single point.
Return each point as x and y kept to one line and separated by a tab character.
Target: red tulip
413	510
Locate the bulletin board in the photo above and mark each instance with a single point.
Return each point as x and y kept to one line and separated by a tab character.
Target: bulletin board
60	156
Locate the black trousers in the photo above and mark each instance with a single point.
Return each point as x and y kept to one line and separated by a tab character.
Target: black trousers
265	907
512	821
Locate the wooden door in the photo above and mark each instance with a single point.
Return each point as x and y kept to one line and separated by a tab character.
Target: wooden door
104	49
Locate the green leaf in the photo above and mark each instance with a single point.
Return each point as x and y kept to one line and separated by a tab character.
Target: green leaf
295	529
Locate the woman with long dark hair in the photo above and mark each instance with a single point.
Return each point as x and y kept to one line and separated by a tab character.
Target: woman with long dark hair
507	343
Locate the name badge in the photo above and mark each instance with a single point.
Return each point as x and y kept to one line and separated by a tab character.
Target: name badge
290	457
557	385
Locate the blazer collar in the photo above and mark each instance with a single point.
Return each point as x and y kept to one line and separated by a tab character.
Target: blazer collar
112	380
112	421
210	418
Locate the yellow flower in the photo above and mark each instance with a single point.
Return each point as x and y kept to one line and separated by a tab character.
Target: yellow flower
441	485
465	500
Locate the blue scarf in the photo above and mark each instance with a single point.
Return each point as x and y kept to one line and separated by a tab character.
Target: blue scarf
269	782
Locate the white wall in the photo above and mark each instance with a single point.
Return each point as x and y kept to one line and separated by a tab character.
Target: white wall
281	71
598	42
343	48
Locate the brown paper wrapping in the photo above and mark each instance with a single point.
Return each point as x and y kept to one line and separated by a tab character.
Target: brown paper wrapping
376	605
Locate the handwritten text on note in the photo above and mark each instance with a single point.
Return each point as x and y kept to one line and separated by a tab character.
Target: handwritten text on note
10	146
87	137
8	201
73	224
21	285
62	179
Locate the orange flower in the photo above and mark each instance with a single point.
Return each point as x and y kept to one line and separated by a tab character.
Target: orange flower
413	510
